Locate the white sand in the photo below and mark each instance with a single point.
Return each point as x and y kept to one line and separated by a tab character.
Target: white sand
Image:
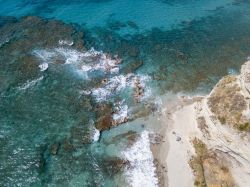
180	126
179	172
176	154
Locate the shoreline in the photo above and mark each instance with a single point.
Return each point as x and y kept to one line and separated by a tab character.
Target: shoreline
172	140
188	122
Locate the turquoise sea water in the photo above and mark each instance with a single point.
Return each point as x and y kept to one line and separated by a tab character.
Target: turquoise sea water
71	67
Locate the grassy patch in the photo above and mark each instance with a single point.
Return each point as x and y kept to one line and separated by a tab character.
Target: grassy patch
209	169
228	103
222	120
244	127
196	162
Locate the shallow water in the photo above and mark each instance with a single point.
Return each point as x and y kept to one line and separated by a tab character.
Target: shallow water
55	88
146	13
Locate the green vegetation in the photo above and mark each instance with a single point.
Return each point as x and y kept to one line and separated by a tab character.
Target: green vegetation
244	127
222	120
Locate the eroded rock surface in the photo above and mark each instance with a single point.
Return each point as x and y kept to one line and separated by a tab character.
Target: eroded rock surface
229	100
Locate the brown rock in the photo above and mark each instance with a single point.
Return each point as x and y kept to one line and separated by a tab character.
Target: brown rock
104	122
104	116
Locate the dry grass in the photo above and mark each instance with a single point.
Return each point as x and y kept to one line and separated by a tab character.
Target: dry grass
202	125
228	103
244	127
208	168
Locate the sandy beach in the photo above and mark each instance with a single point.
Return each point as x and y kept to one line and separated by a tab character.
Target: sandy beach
176	149
197	147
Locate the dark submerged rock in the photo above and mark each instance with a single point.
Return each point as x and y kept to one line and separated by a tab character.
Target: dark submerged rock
132	66
133	25
67	146
133	51
130	136
54	148
113	166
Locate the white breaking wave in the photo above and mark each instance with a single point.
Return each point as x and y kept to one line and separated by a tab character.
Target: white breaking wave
66	42
86	68
141	172
85	92
119	83
121	113
96	135
232	71
114	85
43	66
159	104
44	55
29	84
85	61
143	81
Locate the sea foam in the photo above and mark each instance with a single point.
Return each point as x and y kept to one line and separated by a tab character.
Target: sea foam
96	135
66	42
118	83
91	60
141	171
83	60
121	112
43	66
113	86
29	84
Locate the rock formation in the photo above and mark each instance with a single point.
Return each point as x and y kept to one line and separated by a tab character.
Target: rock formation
215	136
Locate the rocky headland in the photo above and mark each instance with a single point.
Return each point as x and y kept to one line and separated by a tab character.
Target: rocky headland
207	138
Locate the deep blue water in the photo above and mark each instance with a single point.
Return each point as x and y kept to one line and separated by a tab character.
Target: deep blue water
55	91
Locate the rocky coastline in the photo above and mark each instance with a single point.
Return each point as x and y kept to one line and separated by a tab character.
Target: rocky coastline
205	139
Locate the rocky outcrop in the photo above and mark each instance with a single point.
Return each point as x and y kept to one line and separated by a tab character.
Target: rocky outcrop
104	116
138	91
109	115
245	75
222	142
230	99
214	144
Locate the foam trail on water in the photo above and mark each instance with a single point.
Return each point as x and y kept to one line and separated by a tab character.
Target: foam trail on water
121	113
118	83
141	171
44	55
84	60
66	42
29	84
86	68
